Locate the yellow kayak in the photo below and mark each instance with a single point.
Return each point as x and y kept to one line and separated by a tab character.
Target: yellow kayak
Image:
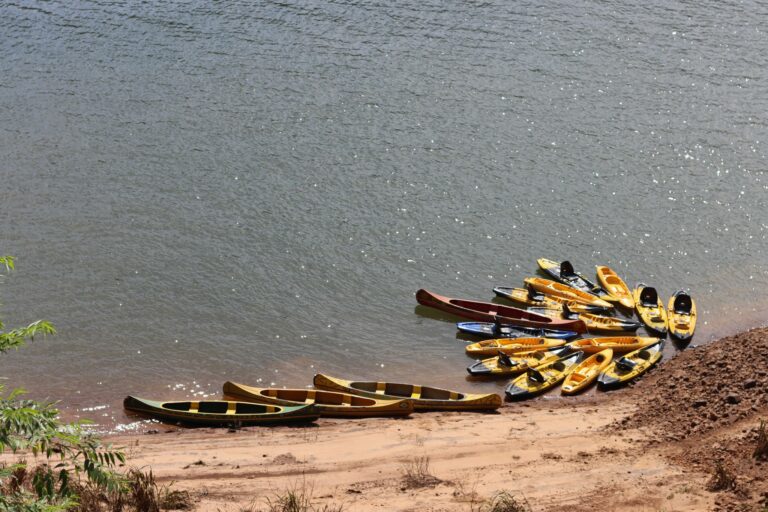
566	293
594	323
425	398
539	379
505	365
489	348
619	344
586	372
615	286
531	298
650	309
631	365
563	271
682	315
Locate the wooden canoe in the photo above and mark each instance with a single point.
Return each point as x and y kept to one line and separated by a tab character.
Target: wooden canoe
564	272
490	312
425	398
619	344
682	316
489	348
328	403
650	308
494	330
631	366
544	377
565	293
617	289
220	412
594	323
505	365
531	298
586	372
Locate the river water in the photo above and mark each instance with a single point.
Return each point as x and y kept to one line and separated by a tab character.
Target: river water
202	191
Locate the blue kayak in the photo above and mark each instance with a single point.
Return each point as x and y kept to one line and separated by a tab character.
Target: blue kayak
491	330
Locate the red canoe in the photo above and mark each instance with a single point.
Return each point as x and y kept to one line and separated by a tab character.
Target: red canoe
490	312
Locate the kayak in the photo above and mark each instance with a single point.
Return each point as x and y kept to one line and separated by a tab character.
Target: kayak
505	365
594	323
539	379
328	403
566	293
586	372
532	298
631	366
615	286
619	344
650	309
489	348
490	312
221	412
565	273
425	398
682	316
493	330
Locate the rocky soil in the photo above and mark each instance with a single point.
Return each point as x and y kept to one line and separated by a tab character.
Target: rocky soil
704	408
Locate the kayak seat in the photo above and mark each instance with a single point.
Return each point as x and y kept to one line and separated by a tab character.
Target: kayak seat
536	376
505	360
682	304
566	270
625	364
649	297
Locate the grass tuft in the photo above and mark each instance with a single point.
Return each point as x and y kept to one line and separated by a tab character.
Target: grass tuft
722	479
761	450
416	474
505	502
298	499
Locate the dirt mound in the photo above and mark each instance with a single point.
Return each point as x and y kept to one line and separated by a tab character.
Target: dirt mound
704	388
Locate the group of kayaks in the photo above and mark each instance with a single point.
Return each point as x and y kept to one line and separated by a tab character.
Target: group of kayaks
331	397
536	346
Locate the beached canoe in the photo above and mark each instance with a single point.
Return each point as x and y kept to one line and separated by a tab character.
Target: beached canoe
544	377
594	323
564	272
494	330
631	366
619	344
489	348
566	293
328	403
682	316
221	412
425	398
617	289
586	372
531	298
490	312
505	365
650	308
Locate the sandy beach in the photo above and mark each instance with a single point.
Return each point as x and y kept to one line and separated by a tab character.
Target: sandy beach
652	447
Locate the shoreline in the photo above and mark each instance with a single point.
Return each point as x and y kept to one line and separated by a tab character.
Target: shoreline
626	450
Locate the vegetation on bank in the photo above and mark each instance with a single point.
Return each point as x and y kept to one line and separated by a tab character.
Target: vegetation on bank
71	459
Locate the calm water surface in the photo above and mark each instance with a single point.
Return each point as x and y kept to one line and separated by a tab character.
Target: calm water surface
203	191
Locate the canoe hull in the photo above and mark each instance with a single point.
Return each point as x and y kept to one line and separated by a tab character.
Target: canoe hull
490	312
619	344
654	317
490	348
586	372
328	403
681	323
433	399
271	415
615	286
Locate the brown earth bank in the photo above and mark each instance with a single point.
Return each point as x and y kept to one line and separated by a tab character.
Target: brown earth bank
655	446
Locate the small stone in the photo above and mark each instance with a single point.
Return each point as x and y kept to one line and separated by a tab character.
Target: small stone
732	399
699	403
750	384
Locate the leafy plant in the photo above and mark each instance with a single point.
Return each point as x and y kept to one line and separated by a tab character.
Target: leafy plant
28	426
